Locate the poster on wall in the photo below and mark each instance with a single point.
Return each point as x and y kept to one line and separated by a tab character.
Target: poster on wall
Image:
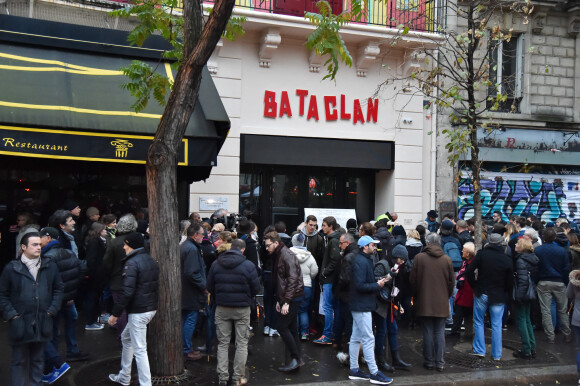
341	215
543	195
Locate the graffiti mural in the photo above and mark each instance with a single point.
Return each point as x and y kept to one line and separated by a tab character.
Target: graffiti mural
513	194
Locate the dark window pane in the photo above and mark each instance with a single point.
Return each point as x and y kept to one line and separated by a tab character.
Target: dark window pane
321	191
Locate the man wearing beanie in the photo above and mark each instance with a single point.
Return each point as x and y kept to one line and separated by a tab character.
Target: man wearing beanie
491	289
140	298
431	220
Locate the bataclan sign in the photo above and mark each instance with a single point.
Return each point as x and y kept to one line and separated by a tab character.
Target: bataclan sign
334	107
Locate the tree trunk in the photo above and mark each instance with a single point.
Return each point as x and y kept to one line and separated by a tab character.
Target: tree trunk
166	349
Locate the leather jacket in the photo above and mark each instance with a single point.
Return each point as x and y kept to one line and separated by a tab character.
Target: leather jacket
289	284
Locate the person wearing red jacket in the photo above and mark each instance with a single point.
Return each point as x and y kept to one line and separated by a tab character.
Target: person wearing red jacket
464	298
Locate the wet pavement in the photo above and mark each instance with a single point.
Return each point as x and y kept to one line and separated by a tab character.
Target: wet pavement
555	363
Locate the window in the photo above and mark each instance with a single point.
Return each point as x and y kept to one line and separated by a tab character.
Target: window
506	64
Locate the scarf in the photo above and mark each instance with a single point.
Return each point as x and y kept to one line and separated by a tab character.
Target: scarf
32	264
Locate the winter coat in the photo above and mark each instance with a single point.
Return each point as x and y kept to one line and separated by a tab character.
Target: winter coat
465	237
386	246
526	264
331	258
363	286
289	284
381	270
341	284
70	267
32	300
432	280
574	257
287	240
414	247
208	253
554	263
140	291
308	265
113	261
494	274
573	293
95	252
464	295
233	280
314	243
252	251
432	226
193	279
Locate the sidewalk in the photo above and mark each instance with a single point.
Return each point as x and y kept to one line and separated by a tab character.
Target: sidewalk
555	363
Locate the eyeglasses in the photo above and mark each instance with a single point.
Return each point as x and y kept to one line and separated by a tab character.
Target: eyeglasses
200	233
342	242
267	245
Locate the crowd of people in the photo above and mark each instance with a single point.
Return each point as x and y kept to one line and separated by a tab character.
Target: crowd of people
350	288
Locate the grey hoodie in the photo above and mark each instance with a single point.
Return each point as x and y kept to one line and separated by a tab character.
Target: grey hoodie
308	265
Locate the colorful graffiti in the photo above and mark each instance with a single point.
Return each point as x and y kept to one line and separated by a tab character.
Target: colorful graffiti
545	198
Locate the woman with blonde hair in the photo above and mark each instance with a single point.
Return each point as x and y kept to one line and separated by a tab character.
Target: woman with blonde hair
526	265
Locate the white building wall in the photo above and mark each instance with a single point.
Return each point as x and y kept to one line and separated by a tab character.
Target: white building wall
242	83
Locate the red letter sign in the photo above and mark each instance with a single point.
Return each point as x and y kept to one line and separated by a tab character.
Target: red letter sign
312	108
285	105
330	100
343	113
302	94
358	115
372	110
270	105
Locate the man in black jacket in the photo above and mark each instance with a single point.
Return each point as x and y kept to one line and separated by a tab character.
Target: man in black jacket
192	286
234	281
30	296
139	297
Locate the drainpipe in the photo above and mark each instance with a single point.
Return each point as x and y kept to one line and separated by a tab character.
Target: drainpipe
433	156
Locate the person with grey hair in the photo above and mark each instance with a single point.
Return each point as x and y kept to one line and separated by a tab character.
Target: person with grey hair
113	263
491	288
532	235
432	280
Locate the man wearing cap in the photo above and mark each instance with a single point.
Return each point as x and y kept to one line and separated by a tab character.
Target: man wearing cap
432	280
140	298
363	301
491	288
431	220
30	296
193	282
71	271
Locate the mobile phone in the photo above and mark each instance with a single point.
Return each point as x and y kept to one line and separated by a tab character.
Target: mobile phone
395	267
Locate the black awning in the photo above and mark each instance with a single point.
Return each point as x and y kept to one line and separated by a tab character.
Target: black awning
322	152
69	91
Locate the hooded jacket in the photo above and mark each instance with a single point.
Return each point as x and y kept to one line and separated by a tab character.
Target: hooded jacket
233	280
314	243
554	263
331	258
308	265
573	293
341	284
526	264
386	246
33	300
494	274
70	267
363	286
432	280
140	291
115	254
414	247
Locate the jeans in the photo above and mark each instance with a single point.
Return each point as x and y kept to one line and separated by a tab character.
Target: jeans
362	333
525	326
384	325
226	319
546	291
70	315
342	323
328	309
304	309
270	315
577	330
26	365
433	341
288	329
188	321
134	340
480	306
211	333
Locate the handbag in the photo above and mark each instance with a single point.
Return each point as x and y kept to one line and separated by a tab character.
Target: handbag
530	293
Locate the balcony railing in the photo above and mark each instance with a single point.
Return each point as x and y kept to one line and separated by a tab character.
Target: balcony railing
417	15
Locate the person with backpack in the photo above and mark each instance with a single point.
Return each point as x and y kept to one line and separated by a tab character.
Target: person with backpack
452	248
526	266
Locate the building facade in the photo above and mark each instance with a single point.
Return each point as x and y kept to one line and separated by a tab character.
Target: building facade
531	160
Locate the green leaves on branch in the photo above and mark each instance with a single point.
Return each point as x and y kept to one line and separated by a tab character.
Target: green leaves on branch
234	28
144	81
326	38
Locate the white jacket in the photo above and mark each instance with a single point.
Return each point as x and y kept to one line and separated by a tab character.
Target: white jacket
307	265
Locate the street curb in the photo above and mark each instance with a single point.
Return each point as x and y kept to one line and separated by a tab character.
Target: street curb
519	376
